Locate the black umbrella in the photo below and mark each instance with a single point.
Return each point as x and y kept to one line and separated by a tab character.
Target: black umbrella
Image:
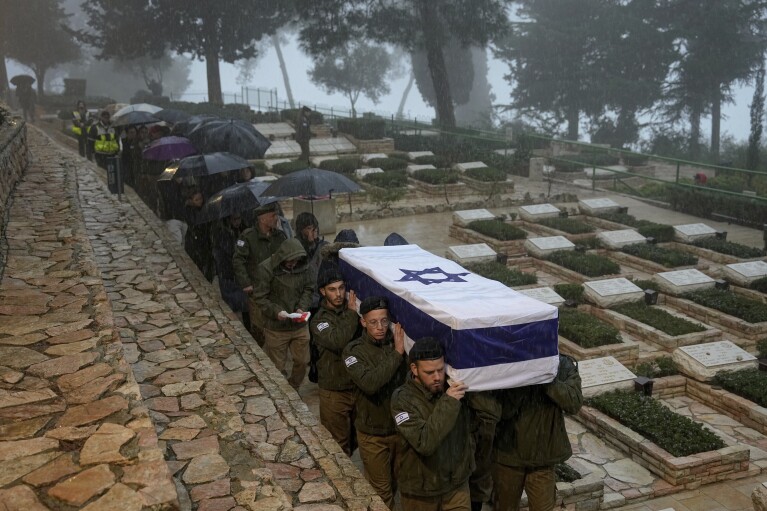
312	183
172	116
184	127
21	80
232	135
235	199
132	118
204	165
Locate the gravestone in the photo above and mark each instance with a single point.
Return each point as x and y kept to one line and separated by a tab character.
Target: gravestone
688	233
536	169
463	167
538	211
364	172
468	254
465	217
599	375
316	160
413	168
611	292
616	240
270	163
545	295
605	172
683	281
541	247
703	361
743	274
417	154
372	156
597	206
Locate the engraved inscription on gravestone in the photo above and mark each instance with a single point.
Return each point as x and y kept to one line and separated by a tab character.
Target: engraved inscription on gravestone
695	229
685	277
552	243
600	203
717	353
540	209
612	287
544	294
750	268
603	371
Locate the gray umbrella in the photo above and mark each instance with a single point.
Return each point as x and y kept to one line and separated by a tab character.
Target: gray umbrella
312	183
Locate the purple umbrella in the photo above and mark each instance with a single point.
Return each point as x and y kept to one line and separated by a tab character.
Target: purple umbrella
169	148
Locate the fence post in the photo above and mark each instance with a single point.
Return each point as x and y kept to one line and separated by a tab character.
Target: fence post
677	172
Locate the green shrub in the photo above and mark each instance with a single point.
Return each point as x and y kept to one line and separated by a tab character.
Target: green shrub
564	473
748	383
388	179
486	174
635	160
291	115
436	176
572	292
658	318
759	285
761	348
363	129
498	230
678	435
385	197
508	276
288	167
667	257
568	225
588	243
426	160
704	203
728	182
585	330
647	284
660	232
751	311
341	165
400	155
728	247
658	368
591	265
388	163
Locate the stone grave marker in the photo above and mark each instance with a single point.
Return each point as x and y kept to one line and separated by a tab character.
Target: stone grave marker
544	294
541	247
703	361
270	163
466	216
364	172
537	211
604	172
597	206
615	240
468	254
412	155
412	168
371	156
743	274
682	281
610	292
463	167
316	160
688	233
599	375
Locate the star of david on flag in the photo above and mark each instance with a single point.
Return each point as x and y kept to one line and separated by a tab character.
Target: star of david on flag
418	276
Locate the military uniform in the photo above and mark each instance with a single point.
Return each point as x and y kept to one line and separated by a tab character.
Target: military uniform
332	329
376	369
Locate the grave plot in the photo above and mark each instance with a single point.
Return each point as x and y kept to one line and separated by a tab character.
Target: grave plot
689	233
745	274
571	228
719	250
584	336
616	240
433	181
471	254
680	282
502	237
542	247
653	258
599	206
575	266
487	180
508	276
545	295
621	221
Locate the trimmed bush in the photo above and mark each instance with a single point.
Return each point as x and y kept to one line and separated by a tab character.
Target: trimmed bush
748	383
363	129
759	285
635	160
426	160
568	225
341	165
658	318
486	174
591	265
761	348
703	203
658	368
647	284
572	292
585	330
288	167
667	257
660	232
498	230
388	163
388	179
436	176
291	115
589	243
728	247
751	311
678	435
508	276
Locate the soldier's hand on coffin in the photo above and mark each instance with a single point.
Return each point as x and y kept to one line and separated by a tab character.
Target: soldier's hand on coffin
457	391
351	303
282	315
399	339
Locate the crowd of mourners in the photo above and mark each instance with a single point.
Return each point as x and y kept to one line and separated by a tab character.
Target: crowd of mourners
432	440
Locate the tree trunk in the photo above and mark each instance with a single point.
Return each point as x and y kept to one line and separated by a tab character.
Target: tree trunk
405	94
695	113
436	60
40	77
283	68
477	112
716	122
214	77
573	121
3	78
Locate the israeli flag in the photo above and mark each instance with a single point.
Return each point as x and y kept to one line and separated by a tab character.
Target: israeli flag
493	337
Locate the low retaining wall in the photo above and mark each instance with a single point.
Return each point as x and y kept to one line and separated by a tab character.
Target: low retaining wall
626	352
738	408
749	331
511	248
544	230
14	156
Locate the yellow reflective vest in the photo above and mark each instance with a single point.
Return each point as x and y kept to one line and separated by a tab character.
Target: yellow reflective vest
105	141
79	121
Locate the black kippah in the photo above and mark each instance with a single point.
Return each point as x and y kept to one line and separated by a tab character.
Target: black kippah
372	303
427	348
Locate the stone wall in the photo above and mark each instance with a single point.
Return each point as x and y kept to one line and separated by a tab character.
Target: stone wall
13	162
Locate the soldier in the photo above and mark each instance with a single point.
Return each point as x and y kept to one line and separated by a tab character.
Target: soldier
377	365
333	327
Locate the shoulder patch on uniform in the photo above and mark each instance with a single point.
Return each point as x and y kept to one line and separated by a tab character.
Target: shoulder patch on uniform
322	326
401	417
350	361
240	243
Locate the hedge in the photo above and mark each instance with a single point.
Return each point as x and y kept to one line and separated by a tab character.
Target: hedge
498	230
436	176
658	368
572	292
658	318
704	204
647	284
508	276
288	167
680	436
363	129
751	311
585	330
759	285
748	383
291	115
728	247
660	232
591	265
388	179
388	163
341	165
486	174
669	258
568	225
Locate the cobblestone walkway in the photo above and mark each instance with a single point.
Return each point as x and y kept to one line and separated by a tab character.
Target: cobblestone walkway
138	334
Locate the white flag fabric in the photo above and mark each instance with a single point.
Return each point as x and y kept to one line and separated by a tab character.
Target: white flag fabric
493	336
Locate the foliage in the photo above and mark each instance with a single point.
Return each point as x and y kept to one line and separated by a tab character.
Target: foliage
585	330
387	179
658	368
564	473
5	114
588	243
568	225
498	230
385	197
747	309
388	163
510	277
728	247
658	318
660	232
646	284
757	121
460	72
363	129
759	285
486	174
288	167
341	165
761	348
572	292
360	69
748	383
678	435
436	160
436	176
291	114
635	160
591	265
669	258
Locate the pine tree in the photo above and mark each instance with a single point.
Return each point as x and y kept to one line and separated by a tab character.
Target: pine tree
757	122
